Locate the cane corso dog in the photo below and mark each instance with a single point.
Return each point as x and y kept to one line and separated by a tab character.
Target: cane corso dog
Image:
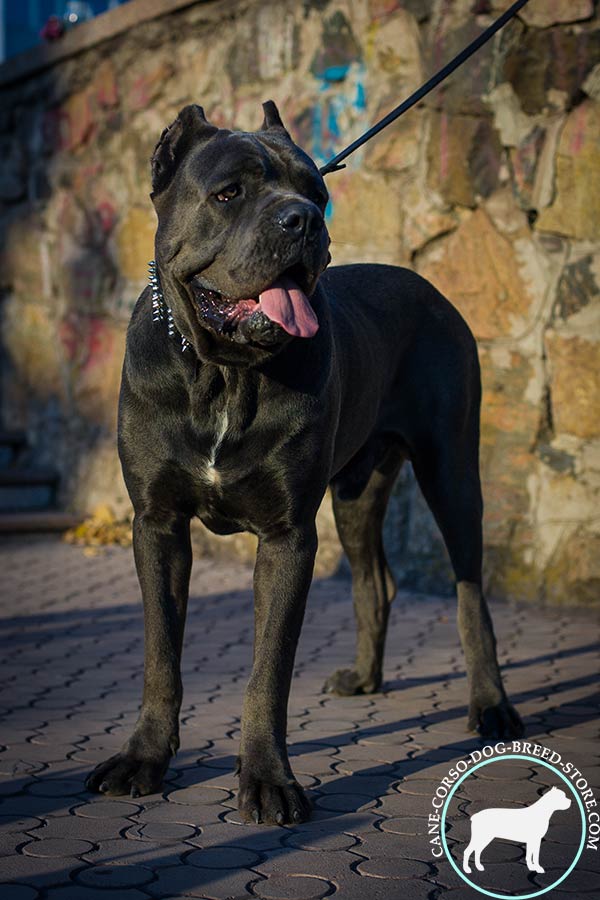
252	380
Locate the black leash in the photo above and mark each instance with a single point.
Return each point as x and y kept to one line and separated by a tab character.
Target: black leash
334	164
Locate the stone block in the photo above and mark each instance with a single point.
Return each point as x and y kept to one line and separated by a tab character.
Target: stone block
34	353
543	13
573	574
476	267
135	242
76	122
574	363
524	161
464	156
547	68
146	82
94	348
462	94
575	211
24	260
509	424
578	286
104	85
366	217
393	51
423	220
338	50
397	148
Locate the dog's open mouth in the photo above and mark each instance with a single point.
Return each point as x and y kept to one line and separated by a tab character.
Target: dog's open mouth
283	303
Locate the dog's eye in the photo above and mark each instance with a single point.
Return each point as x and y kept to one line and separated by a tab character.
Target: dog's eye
228	193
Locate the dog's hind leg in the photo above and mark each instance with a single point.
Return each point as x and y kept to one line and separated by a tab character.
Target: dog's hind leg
467	856
360	497
163	557
447	469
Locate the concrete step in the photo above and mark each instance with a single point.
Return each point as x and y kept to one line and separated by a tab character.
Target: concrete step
26	490
31	522
11	444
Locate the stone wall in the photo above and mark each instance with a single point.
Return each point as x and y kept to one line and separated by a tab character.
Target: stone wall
490	188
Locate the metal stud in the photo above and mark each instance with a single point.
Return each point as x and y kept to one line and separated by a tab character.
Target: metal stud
160	310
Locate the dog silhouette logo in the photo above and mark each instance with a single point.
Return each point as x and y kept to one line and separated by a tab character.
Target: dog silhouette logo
527	825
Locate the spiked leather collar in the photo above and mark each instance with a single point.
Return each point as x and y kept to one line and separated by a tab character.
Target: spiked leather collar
161	312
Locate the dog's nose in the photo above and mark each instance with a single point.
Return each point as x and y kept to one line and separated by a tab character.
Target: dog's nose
299	219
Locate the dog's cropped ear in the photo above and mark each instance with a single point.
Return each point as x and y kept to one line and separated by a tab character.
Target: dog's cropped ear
272	119
190	124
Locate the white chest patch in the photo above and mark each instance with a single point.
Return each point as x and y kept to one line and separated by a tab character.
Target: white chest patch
210	473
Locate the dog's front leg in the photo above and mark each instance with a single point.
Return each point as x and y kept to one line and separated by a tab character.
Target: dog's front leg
268	790
163	559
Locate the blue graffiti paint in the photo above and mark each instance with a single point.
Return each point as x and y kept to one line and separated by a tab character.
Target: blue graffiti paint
342	103
335	73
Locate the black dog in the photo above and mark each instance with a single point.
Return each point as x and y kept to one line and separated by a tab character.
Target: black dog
274	397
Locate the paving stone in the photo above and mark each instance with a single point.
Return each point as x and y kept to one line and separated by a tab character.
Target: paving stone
17	892
114	876
56	788
393	868
326	864
320	839
198	794
379	844
217	884
106	809
51	848
34	871
76	827
10	842
345	802
293	887
223	858
9	824
78	892
162	832
360	887
409	825
24	806
152	855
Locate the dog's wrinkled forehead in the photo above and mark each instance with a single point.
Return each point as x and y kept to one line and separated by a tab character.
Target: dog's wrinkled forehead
232	156
193	148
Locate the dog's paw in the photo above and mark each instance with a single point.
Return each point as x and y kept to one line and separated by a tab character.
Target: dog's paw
496	722
128	773
263	802
348	682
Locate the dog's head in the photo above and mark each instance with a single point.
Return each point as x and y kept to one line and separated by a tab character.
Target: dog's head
241	238
559	798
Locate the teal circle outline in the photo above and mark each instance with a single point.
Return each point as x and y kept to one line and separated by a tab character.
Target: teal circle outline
487	762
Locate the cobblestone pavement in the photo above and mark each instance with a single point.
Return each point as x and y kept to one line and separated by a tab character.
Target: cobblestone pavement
71	676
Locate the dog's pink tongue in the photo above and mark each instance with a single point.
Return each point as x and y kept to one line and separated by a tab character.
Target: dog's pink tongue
285	303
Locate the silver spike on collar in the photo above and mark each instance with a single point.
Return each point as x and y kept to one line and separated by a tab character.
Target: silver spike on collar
160	311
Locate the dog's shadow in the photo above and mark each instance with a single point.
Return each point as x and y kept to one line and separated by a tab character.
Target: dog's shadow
416	764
